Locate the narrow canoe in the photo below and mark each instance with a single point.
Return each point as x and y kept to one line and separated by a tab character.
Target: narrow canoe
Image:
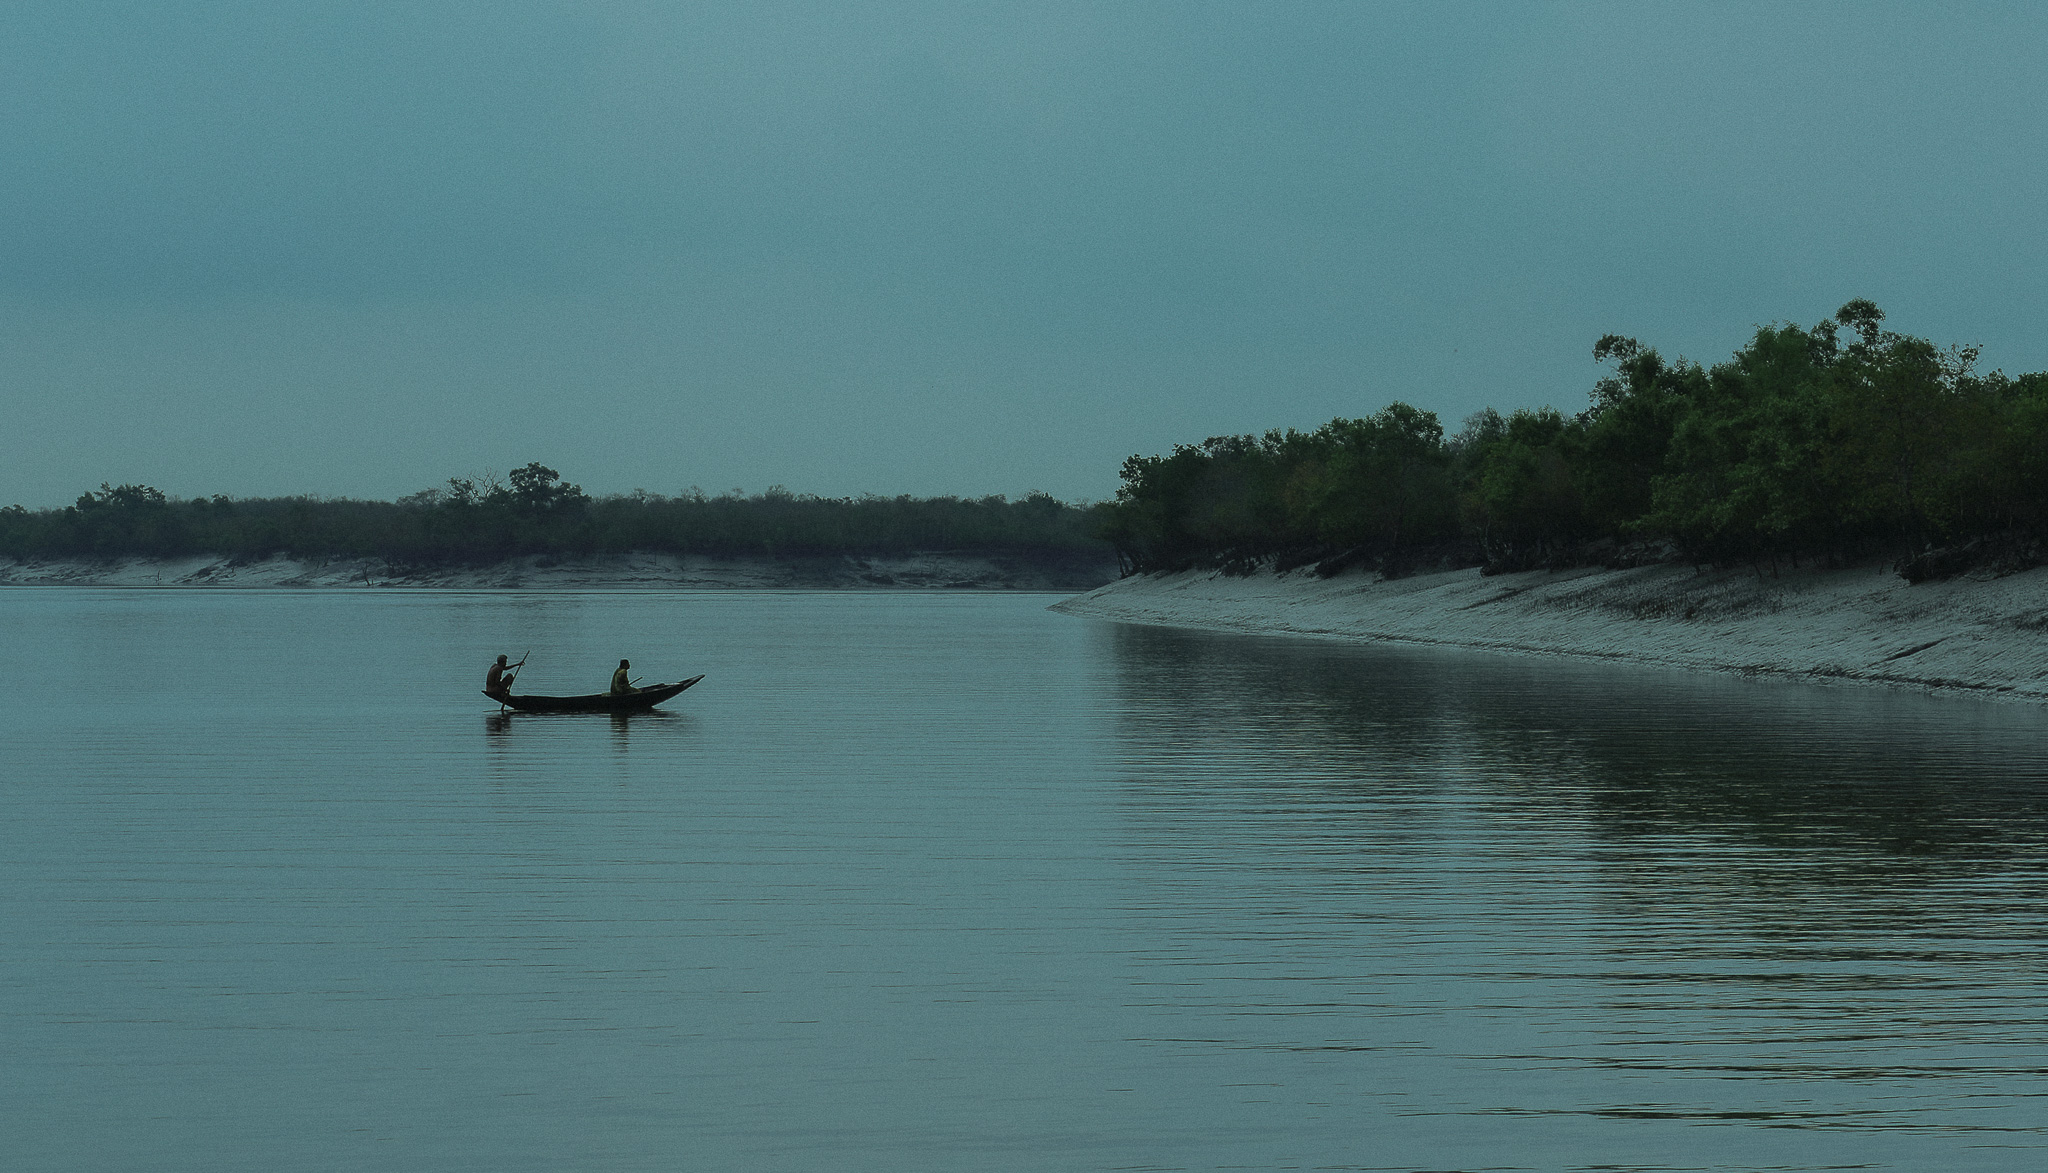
601	702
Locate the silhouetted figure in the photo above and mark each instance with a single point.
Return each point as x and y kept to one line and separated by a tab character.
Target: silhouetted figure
619	682
494	680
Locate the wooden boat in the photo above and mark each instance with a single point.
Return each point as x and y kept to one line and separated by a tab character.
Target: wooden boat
602	702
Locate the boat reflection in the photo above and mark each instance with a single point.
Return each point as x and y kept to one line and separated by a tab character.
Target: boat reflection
498	726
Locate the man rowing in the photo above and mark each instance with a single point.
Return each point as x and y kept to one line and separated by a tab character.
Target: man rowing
495	683
619	682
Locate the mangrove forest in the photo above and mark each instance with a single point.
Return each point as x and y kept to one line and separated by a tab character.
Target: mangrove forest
534	512
1839	442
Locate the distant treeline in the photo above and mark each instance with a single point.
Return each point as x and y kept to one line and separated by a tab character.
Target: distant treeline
536	513
1839	441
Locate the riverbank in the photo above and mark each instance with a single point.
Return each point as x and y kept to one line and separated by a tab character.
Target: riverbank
924	571
1980	636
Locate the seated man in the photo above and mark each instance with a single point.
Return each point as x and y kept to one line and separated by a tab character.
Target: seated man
494	680
619	682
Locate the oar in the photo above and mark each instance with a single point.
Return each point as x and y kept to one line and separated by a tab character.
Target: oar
506	683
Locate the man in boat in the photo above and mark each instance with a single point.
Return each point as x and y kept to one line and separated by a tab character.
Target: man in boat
619	682
494	680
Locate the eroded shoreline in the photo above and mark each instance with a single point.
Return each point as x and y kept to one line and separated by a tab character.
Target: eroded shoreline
1985	637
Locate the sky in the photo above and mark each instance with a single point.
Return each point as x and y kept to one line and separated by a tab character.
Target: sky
354	249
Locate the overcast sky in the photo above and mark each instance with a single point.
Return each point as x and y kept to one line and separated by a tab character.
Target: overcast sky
356	248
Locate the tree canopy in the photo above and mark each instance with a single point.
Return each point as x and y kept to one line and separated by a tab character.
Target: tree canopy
534	512
1839	440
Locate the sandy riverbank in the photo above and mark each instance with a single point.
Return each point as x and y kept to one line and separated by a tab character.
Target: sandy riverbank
628	572
1985	637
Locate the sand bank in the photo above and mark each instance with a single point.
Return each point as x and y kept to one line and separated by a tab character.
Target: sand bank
628	572
1985	637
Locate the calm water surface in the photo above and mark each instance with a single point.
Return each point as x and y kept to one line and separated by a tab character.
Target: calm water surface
948	882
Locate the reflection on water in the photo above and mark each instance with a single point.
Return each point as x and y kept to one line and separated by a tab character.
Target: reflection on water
1680	898
949	882
1898	773
501	724
514	741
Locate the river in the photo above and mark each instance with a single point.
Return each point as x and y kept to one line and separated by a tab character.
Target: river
946	881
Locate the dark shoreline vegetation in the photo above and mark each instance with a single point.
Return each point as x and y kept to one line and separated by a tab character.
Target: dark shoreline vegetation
1843	442
535	513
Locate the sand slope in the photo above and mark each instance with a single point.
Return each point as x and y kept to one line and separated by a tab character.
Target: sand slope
1988	637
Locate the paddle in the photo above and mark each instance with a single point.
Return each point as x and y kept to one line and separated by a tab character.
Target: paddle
505	682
